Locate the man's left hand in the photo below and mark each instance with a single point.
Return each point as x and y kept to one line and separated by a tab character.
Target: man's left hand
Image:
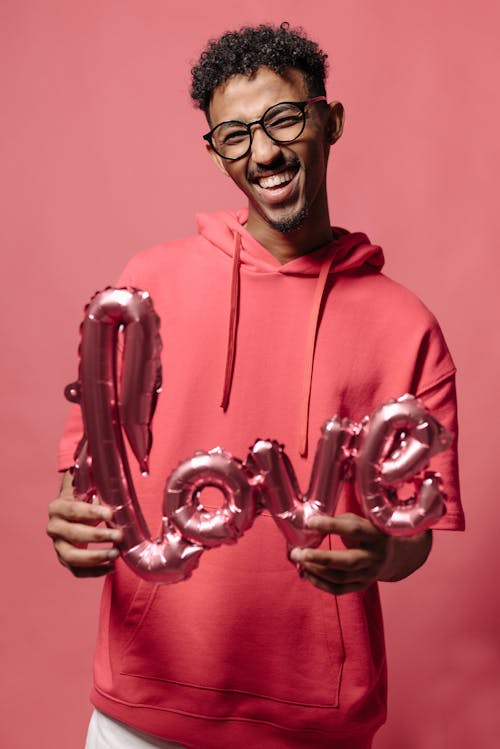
370	555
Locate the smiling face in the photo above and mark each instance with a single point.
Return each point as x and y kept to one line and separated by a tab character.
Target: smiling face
285	183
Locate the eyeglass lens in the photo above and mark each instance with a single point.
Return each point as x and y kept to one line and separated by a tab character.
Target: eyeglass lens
283	123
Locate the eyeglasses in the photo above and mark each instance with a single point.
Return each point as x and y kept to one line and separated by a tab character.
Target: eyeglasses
283	123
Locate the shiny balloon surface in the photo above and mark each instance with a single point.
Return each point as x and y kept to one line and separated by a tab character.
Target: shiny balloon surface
117	395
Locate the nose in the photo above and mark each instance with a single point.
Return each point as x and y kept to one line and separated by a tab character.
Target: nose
264	150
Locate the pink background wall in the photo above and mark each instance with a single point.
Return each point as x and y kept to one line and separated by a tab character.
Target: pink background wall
101	156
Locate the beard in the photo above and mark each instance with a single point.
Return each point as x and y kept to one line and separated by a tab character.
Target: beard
291	223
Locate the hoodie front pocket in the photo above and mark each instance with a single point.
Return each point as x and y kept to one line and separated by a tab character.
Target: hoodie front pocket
260	632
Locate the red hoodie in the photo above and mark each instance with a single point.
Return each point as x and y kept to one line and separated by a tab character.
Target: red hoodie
245	653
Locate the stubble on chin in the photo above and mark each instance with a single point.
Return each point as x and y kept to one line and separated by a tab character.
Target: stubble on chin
291	223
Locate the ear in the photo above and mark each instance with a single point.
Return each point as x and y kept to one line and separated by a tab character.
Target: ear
335	122
218	160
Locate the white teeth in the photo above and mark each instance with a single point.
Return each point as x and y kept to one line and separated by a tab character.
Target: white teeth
276	179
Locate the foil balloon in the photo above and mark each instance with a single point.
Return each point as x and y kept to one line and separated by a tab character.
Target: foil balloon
389	448
291	509
396	445
101	463
216	468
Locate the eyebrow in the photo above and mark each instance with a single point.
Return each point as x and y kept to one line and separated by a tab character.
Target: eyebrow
246	122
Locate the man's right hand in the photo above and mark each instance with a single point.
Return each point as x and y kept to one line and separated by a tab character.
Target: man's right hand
73	525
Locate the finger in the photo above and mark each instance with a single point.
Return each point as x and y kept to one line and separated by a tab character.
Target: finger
348	559
67	485
99	571
353	529
75	558
341	576
80	533
77	511
346	525
336	589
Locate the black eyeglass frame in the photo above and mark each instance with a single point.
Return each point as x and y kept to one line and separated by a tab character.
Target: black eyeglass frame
248	125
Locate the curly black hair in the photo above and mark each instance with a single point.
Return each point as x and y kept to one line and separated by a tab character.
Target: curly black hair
250	48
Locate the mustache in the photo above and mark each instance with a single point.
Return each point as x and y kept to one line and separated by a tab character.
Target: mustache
280	162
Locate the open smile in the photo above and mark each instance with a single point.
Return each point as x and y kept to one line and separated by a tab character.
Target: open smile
276	186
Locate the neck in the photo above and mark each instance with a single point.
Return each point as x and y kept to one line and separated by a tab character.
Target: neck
314	233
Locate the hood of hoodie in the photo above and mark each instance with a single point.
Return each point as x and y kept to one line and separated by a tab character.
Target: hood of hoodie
346	252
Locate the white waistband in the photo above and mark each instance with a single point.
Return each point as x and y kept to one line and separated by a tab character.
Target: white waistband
106	733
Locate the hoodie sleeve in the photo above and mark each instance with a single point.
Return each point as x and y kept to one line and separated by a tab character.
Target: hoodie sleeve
434	384
440	400
70	438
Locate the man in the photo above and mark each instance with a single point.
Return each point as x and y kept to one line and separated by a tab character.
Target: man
247	652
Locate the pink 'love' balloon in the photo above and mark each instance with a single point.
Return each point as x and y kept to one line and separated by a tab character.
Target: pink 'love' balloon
391	447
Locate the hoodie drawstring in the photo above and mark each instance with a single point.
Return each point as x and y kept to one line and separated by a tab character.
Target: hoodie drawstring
312	334
233	322
310	347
